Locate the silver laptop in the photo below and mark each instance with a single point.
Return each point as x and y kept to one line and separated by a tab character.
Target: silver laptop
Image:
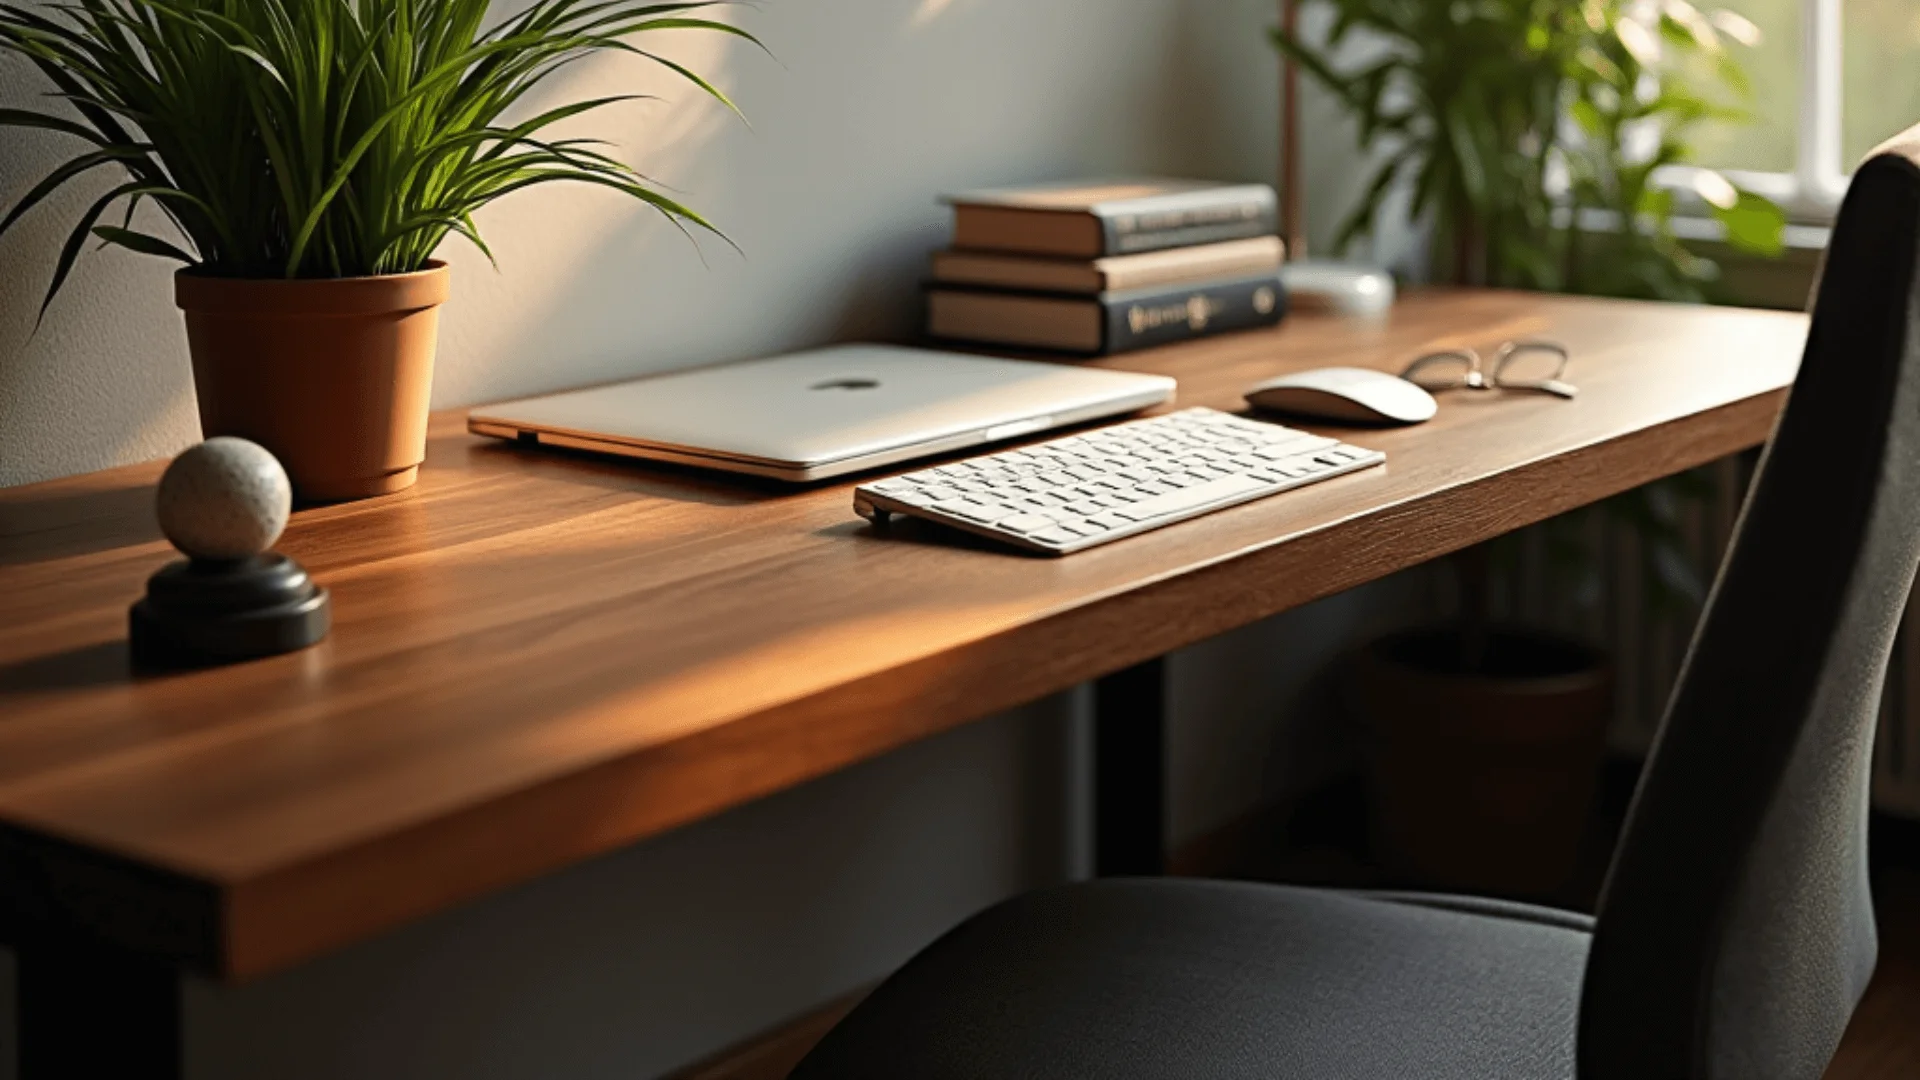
812	415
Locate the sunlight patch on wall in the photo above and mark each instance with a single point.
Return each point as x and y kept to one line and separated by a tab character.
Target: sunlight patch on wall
547	239
928	11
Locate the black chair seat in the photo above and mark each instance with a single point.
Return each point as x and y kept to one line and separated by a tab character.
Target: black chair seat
1125	979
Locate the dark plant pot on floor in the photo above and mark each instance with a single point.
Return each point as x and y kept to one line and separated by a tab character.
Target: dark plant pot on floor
1481	775
332	375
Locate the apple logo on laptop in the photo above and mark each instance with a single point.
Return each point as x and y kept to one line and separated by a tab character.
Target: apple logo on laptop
855	382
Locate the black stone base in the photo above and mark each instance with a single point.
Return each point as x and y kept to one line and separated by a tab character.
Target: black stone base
203	612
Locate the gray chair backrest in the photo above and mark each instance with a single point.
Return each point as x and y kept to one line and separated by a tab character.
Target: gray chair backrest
1736	933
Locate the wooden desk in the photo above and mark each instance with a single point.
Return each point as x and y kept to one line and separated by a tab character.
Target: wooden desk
539	657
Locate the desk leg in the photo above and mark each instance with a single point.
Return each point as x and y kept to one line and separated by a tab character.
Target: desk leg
1129	771
89	1011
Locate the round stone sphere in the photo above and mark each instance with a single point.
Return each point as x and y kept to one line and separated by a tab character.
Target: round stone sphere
226	498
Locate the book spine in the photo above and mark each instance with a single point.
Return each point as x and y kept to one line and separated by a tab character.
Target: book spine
1143	319
1239	218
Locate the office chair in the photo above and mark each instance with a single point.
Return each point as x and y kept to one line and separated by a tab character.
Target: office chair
1734	934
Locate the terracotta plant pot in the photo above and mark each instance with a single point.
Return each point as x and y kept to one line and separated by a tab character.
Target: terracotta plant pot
1482	779
332	375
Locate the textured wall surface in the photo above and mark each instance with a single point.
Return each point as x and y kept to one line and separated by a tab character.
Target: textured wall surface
663	953
867	110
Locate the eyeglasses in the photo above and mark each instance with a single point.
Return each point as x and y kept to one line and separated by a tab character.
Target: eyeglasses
1517	365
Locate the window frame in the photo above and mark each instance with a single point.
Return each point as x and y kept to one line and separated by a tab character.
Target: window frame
1811	193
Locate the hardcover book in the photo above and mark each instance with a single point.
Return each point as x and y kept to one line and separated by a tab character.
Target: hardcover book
1114	273
1091	219
1110	322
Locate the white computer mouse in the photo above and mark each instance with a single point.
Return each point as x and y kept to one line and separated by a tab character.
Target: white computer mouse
1360	395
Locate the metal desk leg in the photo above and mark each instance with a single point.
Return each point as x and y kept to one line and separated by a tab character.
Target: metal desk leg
88	1012
1130	775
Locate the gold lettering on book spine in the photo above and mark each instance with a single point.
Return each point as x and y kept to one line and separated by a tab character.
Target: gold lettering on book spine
1195	312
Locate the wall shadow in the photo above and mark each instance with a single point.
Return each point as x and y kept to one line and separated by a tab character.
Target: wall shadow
37	527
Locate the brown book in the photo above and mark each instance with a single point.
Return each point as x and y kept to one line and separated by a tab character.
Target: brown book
1109	322
1111	274
1092	219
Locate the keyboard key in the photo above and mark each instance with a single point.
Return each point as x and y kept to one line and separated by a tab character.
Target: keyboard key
1025	523
971	510
1055	535
1196	496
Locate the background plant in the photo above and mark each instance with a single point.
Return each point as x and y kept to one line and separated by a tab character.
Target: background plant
319	138
1525	127
1533	135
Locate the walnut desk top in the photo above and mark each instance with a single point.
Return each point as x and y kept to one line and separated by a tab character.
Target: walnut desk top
538	656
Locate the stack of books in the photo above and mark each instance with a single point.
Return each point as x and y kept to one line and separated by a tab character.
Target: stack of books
1106	266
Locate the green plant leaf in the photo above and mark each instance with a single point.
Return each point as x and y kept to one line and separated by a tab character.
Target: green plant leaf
70	250
141	242
1755	225
25	119
66	171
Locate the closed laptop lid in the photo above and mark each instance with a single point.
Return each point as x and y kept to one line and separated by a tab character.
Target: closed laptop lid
848	401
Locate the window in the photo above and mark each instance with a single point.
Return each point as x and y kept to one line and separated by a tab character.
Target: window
1831	79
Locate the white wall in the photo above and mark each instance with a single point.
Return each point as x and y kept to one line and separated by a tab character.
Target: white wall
658	955
868	110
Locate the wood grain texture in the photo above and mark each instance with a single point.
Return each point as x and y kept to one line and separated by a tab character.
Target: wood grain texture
538	657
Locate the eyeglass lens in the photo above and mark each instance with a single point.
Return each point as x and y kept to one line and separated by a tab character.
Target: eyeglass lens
1532	365
1446	370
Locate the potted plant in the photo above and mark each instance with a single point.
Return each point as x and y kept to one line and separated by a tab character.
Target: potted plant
1534	135
1538	139
308	158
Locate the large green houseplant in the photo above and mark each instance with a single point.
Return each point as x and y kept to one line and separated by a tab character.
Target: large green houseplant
1533	134
1536	138
306	159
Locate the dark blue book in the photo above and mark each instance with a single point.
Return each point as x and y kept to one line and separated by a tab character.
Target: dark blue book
1108	322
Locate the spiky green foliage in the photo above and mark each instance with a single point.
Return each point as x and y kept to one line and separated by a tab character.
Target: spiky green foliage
320	138
1508	119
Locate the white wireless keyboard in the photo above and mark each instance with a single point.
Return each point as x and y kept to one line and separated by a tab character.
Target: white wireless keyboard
1061	496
